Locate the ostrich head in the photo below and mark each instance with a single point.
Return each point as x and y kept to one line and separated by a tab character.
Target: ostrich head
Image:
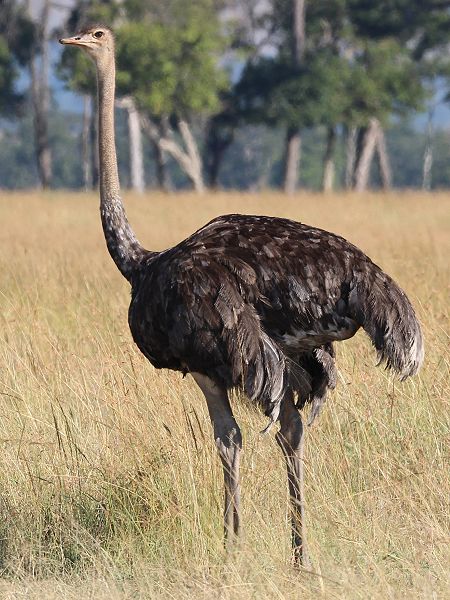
97	41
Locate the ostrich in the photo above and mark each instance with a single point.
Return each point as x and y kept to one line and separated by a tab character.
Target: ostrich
253	302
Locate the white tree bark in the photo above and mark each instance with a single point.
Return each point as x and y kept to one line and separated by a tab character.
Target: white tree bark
428	155
427	166
93	141
328	161
187	155
352	134
85	150
298	31
362	171
383	159
374	142
293	150
136	153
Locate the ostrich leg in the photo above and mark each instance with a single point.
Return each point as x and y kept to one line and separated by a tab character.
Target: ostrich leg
227	436
290	440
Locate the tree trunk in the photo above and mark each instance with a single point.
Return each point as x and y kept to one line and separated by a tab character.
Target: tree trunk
328	161
162	175
136	153
136	150
365	155
359	146
40	93
298	37
94	146
293	137
262	182
162	169
194	168
293	147
218	141
428	155
383	160
85	158
215	155
186	155
427	167
352	136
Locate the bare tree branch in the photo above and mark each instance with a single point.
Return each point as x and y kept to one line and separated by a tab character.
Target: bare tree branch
188	159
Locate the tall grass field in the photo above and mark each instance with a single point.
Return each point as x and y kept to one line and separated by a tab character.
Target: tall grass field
110	484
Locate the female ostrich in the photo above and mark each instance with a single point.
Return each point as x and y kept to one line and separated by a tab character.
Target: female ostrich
249	301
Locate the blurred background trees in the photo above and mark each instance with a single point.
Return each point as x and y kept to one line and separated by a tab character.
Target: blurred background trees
231	93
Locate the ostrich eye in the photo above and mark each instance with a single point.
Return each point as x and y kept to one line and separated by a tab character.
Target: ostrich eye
98	34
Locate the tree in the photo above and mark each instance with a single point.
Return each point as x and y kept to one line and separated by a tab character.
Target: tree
40	95
329	32
384	81
171	70
9	98
274	93
293	136
136	153
220	134
287	19
398	38
302	93
16	37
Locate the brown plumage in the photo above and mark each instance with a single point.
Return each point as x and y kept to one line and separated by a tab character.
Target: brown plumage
256	302
252	302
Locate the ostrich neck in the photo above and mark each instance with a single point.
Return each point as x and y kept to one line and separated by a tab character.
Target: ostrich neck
122	244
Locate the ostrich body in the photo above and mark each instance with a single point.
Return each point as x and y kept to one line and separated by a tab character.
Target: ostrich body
252	302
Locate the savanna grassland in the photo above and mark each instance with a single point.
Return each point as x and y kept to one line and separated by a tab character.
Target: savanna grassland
110	487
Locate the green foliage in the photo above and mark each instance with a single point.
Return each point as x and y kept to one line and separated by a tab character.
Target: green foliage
170	69
425	23
16	38
419	27
272	91
77	70
383	81
359	63
8	74
17	30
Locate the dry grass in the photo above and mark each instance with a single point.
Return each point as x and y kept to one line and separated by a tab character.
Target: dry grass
109	482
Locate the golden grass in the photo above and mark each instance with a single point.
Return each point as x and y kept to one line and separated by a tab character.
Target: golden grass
109	482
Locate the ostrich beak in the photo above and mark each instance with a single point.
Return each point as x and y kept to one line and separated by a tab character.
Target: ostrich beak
77	40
